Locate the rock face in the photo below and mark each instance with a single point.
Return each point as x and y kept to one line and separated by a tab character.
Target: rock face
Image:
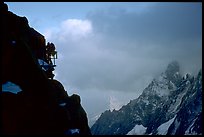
169	105
41	106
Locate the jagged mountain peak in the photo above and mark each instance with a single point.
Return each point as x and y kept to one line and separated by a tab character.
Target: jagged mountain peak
173	72
169	105
162	85
173	67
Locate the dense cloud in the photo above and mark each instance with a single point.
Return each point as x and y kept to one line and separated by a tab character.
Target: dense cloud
165	31
117	50
114	49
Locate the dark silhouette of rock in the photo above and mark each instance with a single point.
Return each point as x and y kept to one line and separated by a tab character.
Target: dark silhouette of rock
78	114
72	105
38	108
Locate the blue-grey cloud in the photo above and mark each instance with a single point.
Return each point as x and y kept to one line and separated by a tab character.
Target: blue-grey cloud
122	50
125	49
164	30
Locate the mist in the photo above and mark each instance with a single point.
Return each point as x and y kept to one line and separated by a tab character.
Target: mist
116	52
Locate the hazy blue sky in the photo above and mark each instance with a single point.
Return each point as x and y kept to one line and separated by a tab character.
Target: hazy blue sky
109	52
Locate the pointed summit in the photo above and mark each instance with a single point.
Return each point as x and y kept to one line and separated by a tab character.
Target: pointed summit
173	67
173	72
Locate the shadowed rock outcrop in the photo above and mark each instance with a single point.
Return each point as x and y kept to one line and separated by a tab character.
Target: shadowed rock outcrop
38	108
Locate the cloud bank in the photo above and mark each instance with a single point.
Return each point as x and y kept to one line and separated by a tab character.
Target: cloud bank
115	49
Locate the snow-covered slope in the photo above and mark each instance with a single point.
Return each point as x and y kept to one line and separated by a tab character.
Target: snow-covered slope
163	128
137	130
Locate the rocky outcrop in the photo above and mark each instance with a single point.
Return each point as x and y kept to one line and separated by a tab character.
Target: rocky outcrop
42	106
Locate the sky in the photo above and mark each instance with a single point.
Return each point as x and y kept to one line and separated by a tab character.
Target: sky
108	52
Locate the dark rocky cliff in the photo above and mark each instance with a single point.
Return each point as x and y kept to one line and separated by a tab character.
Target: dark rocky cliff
42	106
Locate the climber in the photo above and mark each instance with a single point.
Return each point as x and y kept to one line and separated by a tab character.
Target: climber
48	65
50	49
